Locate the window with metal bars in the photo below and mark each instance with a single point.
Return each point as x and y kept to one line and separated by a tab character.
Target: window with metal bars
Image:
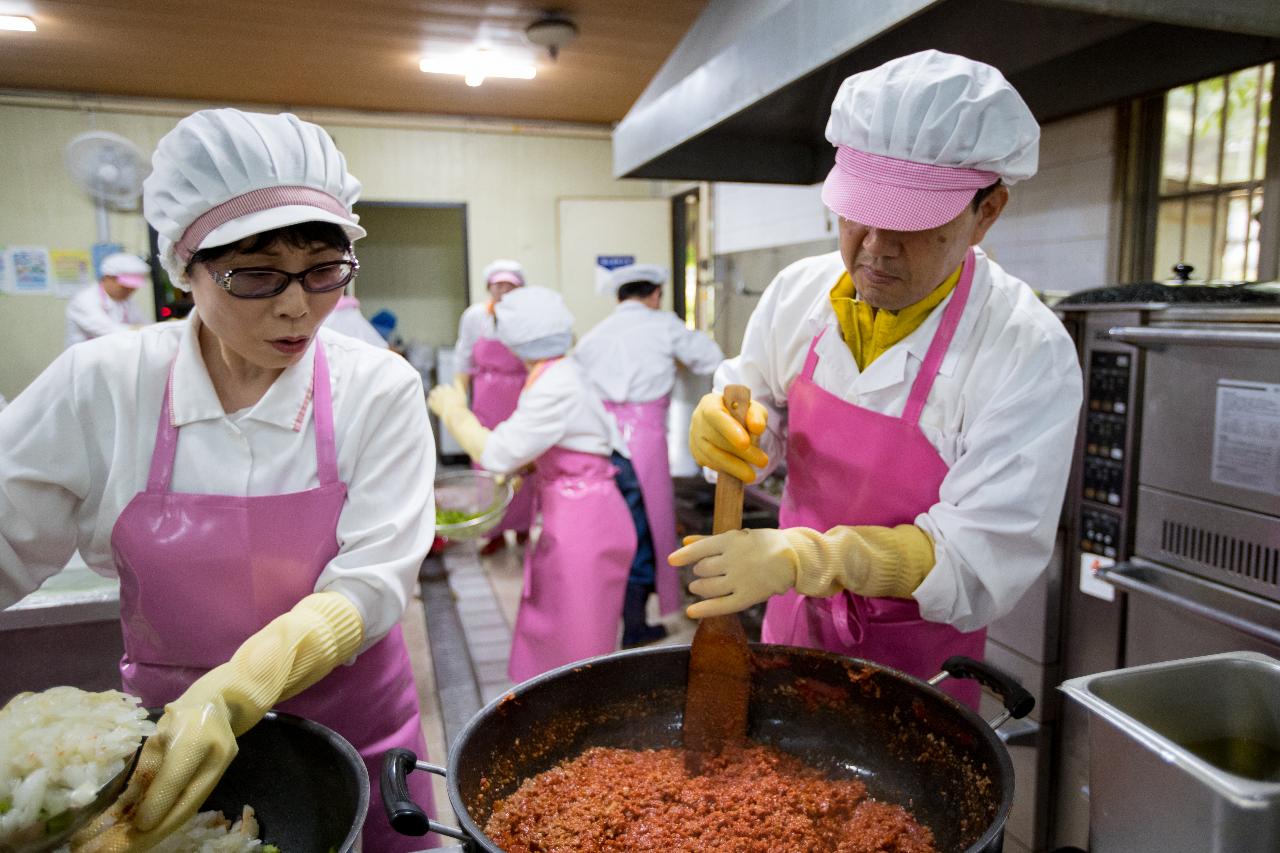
1213	176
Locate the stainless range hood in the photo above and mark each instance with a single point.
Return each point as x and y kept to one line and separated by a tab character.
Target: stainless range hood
745	95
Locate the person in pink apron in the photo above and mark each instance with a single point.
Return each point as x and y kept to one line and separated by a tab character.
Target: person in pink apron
926	402
108	307
631	359
495	377
261	486
347	318
575	576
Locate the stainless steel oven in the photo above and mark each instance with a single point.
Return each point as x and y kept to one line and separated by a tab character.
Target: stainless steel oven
1172	523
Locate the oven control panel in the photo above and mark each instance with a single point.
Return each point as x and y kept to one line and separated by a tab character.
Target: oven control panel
1100	532
1106	426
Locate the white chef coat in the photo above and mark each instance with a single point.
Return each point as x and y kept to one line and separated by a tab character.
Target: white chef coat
475	323
630	356
75	447
347	319
1002	414
91	313
560	409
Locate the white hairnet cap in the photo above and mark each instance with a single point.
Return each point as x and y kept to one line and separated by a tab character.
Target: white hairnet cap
222	175
917	137
503	270
533	322
129	270
611	283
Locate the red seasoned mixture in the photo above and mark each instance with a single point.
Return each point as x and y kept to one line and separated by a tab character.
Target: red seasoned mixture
750	800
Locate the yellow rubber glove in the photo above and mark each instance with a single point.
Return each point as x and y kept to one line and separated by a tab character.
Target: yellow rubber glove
462	382
720	443
744	567
450	405
195	740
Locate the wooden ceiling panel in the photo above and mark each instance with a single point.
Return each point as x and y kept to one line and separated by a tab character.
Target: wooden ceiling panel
353	54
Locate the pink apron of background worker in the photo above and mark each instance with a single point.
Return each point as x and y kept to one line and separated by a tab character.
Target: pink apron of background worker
495	376
261	486
631	357
925	400
576	574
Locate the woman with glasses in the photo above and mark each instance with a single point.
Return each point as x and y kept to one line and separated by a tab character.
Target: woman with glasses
261	486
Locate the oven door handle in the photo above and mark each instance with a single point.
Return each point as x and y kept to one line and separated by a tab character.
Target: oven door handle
1154	336
1207	599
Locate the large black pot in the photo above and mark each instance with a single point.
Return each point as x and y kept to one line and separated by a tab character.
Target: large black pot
307	785
909	742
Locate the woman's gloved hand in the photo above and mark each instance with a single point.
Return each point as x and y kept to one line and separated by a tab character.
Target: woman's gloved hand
450	405
745	567
720	443
195	740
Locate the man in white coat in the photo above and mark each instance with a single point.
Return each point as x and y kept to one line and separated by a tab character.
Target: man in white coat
924	400
108	306
631	359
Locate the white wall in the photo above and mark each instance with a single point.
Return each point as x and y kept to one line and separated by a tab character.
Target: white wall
510	181
761	216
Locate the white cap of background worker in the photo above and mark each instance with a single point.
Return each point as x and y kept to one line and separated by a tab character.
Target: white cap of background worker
108	307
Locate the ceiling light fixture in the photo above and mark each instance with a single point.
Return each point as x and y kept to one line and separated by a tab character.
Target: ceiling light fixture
17	23
477	67
552	31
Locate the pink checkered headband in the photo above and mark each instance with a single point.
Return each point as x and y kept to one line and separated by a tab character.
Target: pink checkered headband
899	195
264	210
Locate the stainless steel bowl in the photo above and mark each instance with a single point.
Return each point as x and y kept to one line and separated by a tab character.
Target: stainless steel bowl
481	495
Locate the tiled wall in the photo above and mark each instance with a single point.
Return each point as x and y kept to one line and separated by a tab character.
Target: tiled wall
1059	232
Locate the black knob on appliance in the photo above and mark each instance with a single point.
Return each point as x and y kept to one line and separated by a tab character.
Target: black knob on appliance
1182	272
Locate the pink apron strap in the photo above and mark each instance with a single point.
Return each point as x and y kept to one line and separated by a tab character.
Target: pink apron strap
161	473
840	613
811	360
941	341
322	414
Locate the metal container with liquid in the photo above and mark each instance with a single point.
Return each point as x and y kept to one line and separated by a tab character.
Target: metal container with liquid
1184	755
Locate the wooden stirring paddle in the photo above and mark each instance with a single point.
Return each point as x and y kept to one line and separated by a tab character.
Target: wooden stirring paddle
715	704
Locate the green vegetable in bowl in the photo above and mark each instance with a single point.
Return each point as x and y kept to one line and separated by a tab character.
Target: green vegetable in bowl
455	516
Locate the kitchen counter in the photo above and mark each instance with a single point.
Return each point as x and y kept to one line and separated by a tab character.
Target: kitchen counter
66	632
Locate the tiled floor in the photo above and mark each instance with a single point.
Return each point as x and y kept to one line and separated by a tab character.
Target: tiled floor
486	595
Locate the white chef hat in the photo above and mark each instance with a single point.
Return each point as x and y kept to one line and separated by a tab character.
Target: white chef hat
610	283
503	270
129	270
222	175
533	322
918	136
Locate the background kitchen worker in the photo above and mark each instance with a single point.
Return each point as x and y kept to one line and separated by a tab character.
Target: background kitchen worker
261	486
576	573
631	358
925	401
347	318
495	376
108	306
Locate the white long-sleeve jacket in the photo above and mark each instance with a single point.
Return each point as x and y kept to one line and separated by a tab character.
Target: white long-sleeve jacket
631	355
75	447
560	409
1002	414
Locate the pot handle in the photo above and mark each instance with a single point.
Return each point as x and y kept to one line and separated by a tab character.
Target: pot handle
1018	702
406	816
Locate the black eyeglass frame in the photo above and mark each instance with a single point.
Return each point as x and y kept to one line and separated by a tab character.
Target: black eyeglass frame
223	279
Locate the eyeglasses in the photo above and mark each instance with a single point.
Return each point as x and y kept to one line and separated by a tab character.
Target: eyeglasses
264	282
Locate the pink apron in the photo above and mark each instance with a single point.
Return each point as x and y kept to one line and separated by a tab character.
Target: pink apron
200	573
850	465
644	429
497	376
575	577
